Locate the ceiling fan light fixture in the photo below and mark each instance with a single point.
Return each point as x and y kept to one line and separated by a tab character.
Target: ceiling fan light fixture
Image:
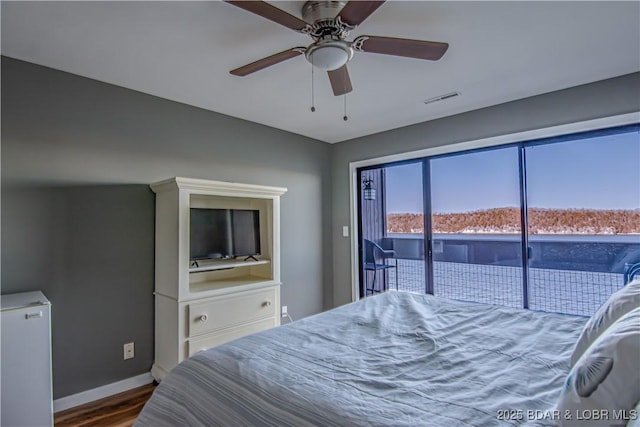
328	23
329	54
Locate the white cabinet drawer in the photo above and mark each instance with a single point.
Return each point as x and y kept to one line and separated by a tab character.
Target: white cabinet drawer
231	310
202	343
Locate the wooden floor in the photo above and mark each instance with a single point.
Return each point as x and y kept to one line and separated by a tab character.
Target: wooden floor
120	410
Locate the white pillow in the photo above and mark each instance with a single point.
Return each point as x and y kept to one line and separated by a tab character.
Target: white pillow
605	381
618	304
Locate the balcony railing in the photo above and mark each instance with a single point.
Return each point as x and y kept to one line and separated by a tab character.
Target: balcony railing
566	275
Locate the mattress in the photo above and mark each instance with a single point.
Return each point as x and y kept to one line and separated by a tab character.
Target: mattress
391	359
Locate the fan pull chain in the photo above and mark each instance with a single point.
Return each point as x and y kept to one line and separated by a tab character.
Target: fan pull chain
313	107
345	118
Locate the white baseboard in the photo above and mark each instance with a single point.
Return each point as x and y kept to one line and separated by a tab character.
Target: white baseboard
101	392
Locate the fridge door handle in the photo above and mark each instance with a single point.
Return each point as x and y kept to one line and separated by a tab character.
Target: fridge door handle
35	315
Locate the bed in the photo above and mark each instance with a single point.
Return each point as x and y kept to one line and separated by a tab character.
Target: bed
391	359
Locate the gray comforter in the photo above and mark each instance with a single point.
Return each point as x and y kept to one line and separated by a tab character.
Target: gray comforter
392	359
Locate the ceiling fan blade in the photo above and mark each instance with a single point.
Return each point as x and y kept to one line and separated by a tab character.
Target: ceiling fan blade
356	11
340	81
420	49
267	62
271	13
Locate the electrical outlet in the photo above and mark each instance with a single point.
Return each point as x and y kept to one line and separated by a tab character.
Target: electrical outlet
284	311
129	352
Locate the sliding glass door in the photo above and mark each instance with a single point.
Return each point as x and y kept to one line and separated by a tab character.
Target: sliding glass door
476	243
583	199
405	224
391	224
550	225
372	228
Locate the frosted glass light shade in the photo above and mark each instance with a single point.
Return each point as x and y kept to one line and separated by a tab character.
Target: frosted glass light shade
328	57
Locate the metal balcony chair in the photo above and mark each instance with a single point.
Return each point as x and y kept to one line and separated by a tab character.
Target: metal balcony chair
630	271
372	253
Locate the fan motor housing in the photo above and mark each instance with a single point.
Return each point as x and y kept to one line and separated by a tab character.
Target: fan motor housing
314	11
326	23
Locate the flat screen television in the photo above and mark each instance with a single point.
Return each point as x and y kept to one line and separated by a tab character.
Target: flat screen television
224	233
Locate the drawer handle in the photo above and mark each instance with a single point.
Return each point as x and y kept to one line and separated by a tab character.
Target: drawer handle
266	303
204	318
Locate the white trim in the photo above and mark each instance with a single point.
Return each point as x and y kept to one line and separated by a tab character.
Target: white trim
217	187
101	392
601	123
552	131
355	233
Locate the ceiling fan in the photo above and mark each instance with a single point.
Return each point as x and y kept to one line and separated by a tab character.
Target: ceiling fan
328	23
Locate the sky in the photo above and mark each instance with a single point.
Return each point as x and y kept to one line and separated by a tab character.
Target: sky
596	173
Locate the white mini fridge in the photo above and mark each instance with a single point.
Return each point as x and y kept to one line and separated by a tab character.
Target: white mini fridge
26	393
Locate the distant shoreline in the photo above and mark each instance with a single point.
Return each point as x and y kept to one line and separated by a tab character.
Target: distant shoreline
557	222
514	237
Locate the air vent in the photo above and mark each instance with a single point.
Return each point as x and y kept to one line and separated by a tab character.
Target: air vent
442	97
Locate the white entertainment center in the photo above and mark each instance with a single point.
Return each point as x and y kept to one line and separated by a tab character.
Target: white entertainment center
197	307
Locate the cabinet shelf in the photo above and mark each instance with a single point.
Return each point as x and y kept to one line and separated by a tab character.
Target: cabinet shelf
220	287
226	264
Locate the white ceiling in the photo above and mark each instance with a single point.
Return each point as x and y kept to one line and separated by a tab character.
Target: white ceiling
183	51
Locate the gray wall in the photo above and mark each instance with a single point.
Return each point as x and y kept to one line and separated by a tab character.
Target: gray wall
78	215
601	99
90	250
